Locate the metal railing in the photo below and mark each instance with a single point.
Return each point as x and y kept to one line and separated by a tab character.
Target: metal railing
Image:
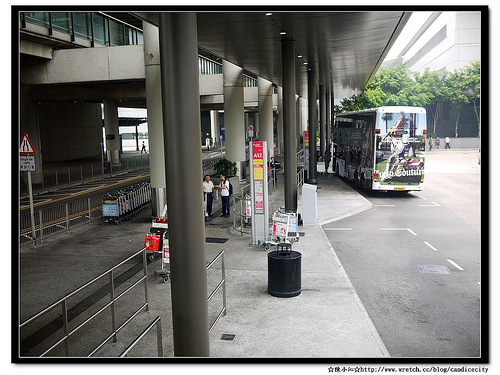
65	176
159	338
244	199
63	304
59	219
222	284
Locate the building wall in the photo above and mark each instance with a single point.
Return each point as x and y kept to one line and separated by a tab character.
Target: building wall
451	42
69	130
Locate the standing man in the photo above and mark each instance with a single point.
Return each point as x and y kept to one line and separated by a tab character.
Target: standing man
208	188
447	140
224	193
328	158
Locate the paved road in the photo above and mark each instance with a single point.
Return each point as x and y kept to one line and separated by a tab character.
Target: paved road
415	260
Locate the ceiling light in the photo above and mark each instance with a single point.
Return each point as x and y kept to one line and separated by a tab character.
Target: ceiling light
305	63
299	56
269	14
283	33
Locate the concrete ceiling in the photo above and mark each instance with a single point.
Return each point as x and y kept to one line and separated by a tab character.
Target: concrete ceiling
344	48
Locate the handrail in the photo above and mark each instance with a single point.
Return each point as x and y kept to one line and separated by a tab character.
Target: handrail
222	284
63	302
159	336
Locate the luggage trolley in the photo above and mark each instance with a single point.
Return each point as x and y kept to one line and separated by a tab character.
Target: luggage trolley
156	243
285	225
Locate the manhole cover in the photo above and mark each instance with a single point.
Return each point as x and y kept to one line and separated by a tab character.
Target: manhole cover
426	268
215	240
227	337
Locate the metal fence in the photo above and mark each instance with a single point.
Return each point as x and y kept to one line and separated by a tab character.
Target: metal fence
62	334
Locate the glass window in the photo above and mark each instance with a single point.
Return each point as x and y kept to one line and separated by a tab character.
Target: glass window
115	33
82	25
37	18
61	21
100	29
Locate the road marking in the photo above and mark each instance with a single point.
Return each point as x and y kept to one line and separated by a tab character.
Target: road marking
384	205
454	264
432	247
408	229
434	204
83	191
337	228
424	198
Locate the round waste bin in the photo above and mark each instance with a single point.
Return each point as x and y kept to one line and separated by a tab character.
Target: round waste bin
283	267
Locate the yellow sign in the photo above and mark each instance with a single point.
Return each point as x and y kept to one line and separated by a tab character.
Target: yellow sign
258	172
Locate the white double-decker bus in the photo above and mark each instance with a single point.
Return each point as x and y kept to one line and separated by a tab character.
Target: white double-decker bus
381	148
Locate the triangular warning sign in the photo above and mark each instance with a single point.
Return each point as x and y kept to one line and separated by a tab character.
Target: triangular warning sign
26	148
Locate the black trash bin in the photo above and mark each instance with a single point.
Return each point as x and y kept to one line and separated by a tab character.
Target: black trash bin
283	267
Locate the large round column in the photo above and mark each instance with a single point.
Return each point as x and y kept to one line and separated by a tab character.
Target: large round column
112	130
289	124
181	130
155	118
266	113
234	115
322	120
280	120
311	100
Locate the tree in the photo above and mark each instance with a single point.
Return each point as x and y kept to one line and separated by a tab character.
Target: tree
457	94
471	81
434	86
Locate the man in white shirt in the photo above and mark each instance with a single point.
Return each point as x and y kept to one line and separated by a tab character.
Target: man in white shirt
224	193
208	188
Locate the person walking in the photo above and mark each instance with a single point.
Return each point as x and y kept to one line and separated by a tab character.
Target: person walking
224	193
208	189
430	144
143	148
438	141
447	141
273	164
328	158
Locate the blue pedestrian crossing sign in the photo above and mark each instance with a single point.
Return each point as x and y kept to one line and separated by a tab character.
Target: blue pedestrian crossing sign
26	147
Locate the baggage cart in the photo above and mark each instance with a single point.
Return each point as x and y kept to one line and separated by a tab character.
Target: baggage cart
153	241
284	229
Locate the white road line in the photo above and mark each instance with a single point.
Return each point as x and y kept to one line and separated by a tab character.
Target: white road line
424	198
408	229
432	247
434	204
384	205
454	264
337	228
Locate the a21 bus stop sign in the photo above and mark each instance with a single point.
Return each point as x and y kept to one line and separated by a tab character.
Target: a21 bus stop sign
26	148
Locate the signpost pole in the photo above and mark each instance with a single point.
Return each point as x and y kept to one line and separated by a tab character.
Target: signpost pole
32	211
28	163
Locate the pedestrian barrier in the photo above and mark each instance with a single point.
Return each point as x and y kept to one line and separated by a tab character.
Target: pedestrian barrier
125	203
68	314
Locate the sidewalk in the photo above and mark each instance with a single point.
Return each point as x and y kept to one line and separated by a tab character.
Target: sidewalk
327	320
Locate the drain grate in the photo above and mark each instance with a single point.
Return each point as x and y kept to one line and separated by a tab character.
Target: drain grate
216	240
227	337
426	268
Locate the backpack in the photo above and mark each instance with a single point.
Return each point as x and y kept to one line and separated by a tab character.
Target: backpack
230	189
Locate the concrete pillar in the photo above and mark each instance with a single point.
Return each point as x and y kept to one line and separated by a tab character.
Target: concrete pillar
112	131
280	120
234	117
265	88
30	125
297	120
322	120
214	125
311	100
182	129
328	120
289	123
155	118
